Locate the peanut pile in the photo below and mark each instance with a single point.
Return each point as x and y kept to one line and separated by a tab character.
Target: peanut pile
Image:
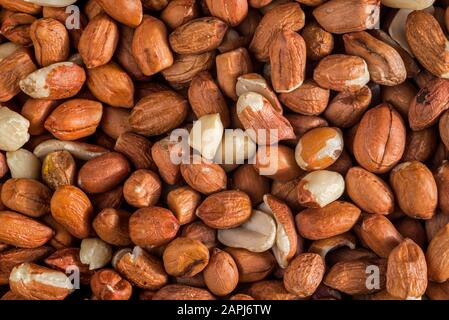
224	149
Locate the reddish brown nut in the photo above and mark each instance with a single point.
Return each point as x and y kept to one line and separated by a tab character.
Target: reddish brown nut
117	93
348	254
385	65
105	32
71	208
150	46
410	282
13	257
232	12
230	66
58	169
247	179
178	12
301	124
152	226
379	234
429	104
286	191
140	268
126	12
65	259
182	292
252	266
225	210
351	277
107	284
74	119
60	80
421	145
124	54
137	149
241	296
110	199
35	282
319	43
26	196
158	112
221	274
285	16
142	189
288	61
195	281
308	99
436	256
369	191
422	30
332	15
199	231
204	176
36	111
3	167
270	290
51	41
185	257
198	36
16	27
21	6
400	96
417	200
21	231
380	139
335	218
61	238
185	67
437	291
205	98
341	72
442	181
183	202
304	274
60	14
112	226
263	122
15	67
161	152
346	109
103	173
413	229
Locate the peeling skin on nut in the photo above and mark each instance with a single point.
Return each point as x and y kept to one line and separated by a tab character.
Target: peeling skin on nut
22	273
251	100
36	84
314	154
80	150
362	80
322	186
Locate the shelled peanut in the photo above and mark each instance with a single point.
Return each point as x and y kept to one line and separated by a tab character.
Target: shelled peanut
224	149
